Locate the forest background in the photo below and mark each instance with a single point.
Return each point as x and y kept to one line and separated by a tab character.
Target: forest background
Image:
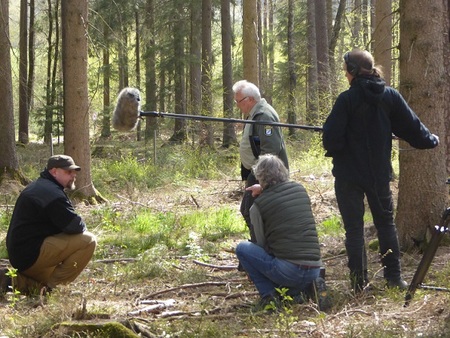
63	63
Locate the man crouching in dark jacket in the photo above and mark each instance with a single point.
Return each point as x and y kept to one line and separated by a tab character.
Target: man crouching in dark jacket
47	241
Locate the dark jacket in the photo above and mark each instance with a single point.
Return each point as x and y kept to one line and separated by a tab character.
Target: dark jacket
288	224
42	210
358	131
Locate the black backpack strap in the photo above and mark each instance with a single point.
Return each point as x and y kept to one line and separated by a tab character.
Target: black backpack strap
255	142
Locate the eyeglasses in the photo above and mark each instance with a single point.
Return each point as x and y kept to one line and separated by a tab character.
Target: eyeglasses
237	102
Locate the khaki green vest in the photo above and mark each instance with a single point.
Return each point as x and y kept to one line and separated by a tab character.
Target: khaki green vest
289	224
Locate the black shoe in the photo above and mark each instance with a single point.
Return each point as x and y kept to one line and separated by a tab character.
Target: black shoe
302	298
397	283
320	294
5	281
359	281
269	304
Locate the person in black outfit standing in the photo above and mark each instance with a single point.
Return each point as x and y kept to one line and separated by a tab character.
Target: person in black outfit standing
358	136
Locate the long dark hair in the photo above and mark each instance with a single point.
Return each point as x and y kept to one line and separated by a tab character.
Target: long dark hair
361	62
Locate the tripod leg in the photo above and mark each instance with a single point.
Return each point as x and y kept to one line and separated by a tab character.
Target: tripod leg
428	256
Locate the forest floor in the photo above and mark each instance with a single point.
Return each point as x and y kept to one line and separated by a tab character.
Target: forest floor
217	302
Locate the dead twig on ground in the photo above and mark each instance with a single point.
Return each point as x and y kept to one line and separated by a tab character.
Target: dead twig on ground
195	201
242	294
132	202
213	266
185	286
155	307
115	260
334	257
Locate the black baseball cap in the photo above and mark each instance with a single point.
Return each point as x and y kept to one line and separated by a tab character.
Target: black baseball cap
62	161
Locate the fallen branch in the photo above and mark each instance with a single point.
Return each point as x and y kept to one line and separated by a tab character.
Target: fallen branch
115	260
334	257
194	315
195	201
186	286
132	202
298	333
154	308
348	312
242	294
219	267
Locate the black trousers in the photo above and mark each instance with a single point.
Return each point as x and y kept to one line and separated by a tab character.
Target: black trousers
246	203
350	198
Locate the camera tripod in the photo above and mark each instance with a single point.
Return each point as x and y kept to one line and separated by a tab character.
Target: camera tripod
438	233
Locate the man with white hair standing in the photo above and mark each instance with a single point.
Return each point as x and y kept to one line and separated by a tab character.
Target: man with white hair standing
257	139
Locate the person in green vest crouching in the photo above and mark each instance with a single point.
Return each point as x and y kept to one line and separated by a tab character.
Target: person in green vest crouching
286	253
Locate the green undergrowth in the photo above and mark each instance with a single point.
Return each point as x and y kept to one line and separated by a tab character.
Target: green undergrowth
131	233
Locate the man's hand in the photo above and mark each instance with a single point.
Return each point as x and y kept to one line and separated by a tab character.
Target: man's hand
256	189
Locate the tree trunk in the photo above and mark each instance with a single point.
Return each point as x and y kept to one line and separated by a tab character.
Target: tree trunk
356	27
260	51
76	100
312	104
250	42
229	129
263	34
106	119
323	63
366	15
123	58
424	84
382	37
23	74
196	57
292	104
207	137
31	58
151	123
446	138
179	134
334	37
270	53
9	164
138	64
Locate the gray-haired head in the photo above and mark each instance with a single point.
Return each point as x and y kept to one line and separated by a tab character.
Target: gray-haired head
270	170
247	89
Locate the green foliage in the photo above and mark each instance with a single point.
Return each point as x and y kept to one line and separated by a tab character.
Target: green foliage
331	226
12	273
125	173
143	229
310	158
199	164
5	217
175	165
286	319
214	224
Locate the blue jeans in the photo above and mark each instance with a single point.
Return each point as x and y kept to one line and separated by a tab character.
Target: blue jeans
268	272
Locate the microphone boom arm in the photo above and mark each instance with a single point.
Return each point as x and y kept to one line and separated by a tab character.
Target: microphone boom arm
227	120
